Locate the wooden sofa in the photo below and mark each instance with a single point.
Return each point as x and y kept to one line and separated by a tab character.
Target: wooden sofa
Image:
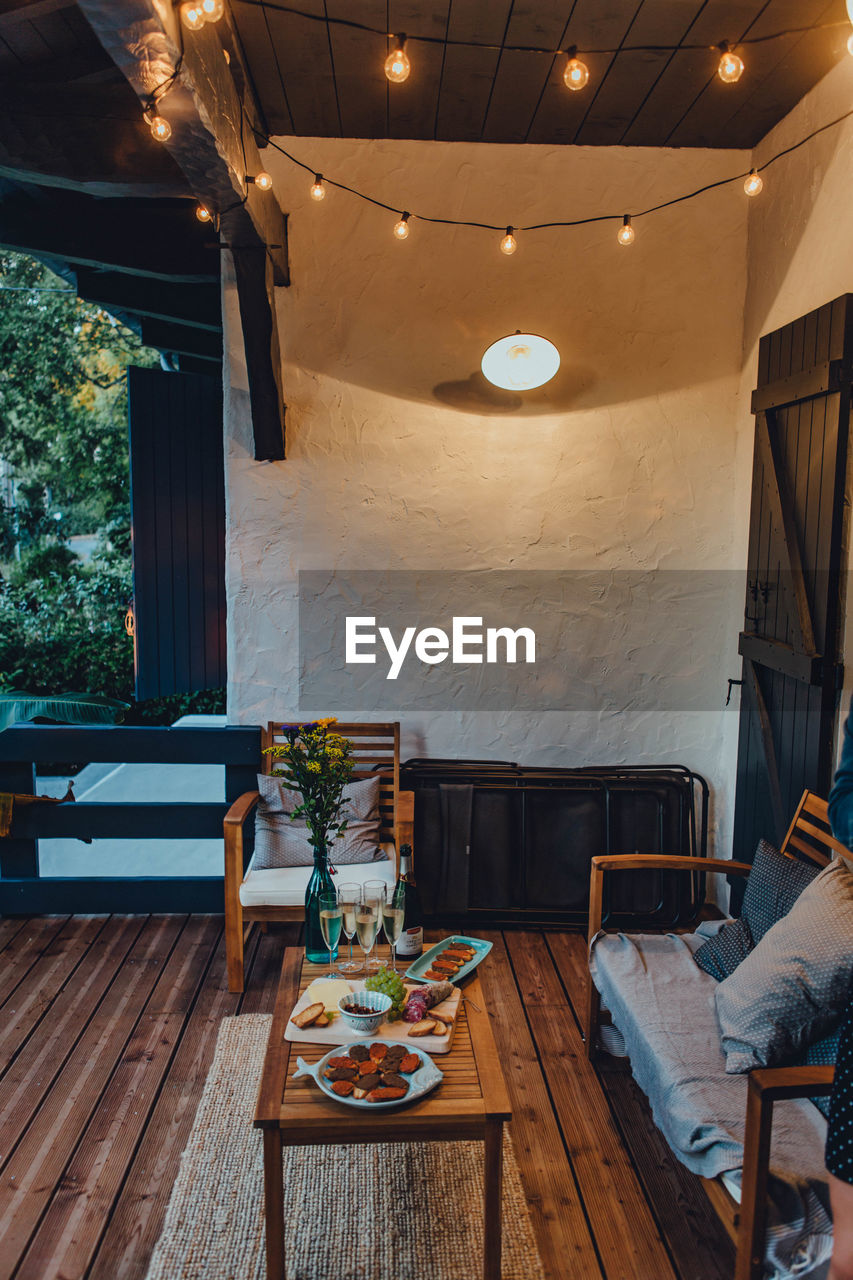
746	1222
278	895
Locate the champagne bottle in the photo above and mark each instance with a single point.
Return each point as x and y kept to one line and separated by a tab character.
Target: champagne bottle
410	944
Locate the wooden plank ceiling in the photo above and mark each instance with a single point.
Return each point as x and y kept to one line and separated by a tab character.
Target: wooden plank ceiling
314	78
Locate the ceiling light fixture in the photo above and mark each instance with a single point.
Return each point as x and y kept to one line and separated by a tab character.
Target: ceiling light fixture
520	362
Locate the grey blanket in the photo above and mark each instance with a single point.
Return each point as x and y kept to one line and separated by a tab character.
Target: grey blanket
663	1005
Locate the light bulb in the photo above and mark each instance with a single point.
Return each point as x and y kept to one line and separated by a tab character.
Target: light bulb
850	10
625	234
509	244
576	73
160	128
192	16
263	180
850	45
213	9
202	213
401	229
397	65
754	183
731	67
318	191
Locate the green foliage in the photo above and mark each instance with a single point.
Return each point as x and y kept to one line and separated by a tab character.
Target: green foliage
317	764
63	434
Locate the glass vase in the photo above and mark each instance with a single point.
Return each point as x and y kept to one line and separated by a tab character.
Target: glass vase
321	882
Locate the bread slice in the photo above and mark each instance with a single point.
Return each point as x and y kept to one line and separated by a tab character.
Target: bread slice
446	1016
423	1028
308	1015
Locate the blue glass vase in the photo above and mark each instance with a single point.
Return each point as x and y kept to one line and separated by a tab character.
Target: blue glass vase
321	882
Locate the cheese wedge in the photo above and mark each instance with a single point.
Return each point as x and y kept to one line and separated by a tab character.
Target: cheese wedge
329	991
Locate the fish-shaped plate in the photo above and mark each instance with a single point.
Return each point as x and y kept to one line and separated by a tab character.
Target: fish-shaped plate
421	1081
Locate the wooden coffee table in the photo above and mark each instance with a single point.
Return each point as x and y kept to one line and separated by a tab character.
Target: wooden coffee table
471	1102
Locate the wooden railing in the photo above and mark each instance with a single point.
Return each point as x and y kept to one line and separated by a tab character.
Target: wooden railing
24	891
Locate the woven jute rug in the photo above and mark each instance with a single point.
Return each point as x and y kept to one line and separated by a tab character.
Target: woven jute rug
389	1211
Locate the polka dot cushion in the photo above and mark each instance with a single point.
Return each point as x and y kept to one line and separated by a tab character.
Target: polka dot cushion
793	986
823	1053
773	886
722	954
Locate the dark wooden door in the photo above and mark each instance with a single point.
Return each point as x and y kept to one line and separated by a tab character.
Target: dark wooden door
792	638
177	492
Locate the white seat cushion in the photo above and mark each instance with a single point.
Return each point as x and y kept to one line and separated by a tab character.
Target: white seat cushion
285	886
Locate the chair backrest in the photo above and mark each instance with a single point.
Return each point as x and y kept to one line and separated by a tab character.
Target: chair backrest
810	834
375	748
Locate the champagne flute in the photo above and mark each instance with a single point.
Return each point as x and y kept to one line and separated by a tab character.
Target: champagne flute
367	927
349	897
331	919
373	891
393	916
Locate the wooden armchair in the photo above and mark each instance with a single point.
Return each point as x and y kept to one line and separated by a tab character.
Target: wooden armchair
746	1222
279	894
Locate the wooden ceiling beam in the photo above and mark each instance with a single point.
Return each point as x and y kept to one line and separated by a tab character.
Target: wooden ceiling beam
158	239
214	143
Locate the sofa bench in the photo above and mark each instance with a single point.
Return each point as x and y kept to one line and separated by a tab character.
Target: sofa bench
763	1172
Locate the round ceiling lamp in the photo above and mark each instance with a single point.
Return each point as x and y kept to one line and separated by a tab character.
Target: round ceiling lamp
520	362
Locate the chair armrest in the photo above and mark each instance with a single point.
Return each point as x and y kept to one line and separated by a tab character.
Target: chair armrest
774	1083
767	1085
648	861
241	808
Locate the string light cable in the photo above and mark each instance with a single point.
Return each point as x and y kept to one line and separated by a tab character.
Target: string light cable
512	231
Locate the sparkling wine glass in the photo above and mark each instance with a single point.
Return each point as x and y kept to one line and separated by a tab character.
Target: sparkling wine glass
367	921
373	891
393	918
349	897
331	919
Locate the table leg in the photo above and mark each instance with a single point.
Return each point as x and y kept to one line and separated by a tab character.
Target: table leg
274	1203
493	1182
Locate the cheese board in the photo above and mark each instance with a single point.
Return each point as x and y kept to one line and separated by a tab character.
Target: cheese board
337	1032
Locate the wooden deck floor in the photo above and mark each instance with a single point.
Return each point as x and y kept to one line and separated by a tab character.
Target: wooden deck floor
107	1029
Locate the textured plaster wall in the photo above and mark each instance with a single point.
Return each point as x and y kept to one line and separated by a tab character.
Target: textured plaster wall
399	458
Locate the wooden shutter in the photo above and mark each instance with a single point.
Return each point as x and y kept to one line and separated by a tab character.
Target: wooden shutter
792	638
178	526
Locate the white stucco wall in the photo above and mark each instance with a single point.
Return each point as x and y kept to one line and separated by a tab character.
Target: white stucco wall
627	460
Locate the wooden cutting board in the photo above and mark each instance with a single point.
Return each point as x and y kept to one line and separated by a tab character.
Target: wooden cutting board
337	1032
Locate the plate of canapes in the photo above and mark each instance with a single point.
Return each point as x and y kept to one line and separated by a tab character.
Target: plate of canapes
374	1075
450	960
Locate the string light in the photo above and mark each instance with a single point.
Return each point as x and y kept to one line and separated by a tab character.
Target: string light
397	65
754	184
401	229
203	213
576	73
318	191
160	128
625	234
509	244
730	69
192	16
213	9
262	181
